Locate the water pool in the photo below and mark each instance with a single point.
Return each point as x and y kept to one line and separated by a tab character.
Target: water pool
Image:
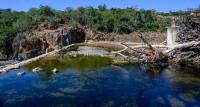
90	81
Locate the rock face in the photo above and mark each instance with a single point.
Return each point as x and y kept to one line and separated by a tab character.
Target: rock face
189	29
3	56
32	44
26	46
63	37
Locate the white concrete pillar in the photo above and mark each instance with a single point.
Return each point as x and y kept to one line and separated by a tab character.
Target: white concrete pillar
171	35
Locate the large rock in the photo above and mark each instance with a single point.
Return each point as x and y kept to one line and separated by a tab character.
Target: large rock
26	46
189	29
64	36
29	45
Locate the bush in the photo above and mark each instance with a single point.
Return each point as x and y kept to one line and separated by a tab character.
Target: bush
53	24
24	23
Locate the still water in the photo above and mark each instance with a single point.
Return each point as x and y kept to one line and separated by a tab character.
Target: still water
89	81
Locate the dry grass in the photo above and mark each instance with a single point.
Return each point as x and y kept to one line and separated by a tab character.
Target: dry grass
151	37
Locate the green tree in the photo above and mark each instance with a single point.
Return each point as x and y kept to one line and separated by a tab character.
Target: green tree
46	11
24	23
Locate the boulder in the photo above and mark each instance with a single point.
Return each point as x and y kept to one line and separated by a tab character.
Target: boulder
64	36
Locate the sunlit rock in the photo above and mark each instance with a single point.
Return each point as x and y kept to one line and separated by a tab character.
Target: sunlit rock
21	73
55	71
37	69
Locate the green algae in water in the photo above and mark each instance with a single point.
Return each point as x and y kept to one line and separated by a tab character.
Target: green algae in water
63	62
107	85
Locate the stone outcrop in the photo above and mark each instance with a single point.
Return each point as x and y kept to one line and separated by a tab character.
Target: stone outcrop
3	56
189	29
29	45
26	46
63	36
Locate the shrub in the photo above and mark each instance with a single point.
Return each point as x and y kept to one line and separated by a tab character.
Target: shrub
24	23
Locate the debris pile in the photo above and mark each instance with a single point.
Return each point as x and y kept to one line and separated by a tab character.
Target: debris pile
189	29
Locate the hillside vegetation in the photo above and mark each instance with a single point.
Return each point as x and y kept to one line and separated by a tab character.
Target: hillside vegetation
101	19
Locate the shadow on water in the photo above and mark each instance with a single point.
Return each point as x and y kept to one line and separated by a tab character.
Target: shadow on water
1	104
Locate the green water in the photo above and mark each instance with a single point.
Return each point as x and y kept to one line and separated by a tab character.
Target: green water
83	63
93	81
79	62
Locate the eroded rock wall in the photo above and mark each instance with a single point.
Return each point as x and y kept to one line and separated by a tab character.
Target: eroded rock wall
29	45
188	29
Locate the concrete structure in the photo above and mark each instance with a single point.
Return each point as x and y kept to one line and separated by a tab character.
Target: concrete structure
171	34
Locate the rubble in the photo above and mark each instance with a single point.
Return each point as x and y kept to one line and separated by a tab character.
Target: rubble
188	29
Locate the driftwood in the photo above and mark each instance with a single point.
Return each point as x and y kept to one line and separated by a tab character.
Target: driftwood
152	53
135	50
148	53
185	52
145	41
188	44
17	65
145	53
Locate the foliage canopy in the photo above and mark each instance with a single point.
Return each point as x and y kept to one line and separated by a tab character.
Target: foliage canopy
98	19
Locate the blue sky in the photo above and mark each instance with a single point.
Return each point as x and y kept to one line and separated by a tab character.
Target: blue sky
159	5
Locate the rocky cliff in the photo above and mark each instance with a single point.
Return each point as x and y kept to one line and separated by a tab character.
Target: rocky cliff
30	44
188	29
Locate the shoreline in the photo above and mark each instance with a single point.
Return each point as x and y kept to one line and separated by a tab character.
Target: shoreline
92	43
103	44
22	63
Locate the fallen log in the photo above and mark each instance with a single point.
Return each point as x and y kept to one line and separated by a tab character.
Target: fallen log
135	49
188	44
17	65
185	52
151	54
145	41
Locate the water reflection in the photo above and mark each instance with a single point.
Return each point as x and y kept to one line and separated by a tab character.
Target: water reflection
1	104
83	63
99	84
